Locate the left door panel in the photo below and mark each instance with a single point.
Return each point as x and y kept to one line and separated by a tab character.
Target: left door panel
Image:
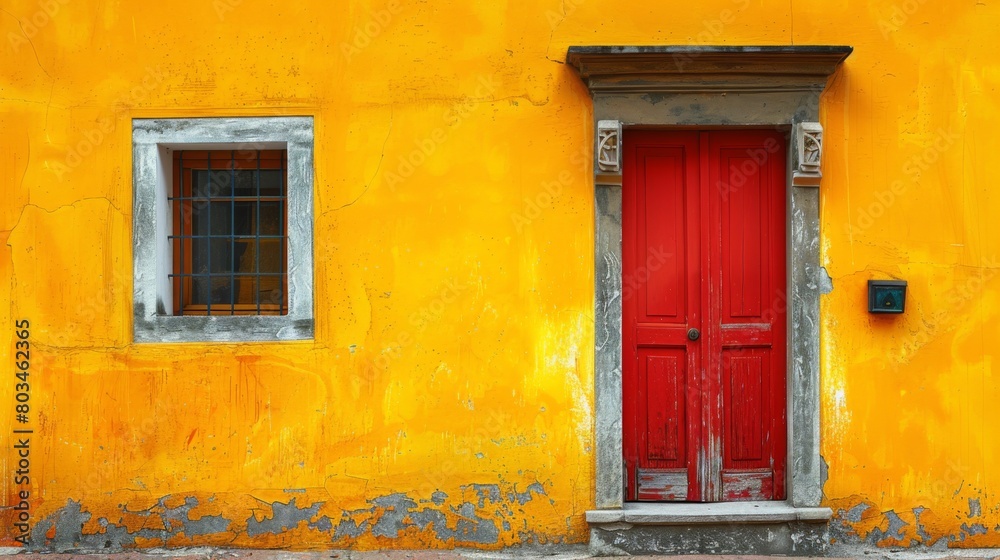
661	299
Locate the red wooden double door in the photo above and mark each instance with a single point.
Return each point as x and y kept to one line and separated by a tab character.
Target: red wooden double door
703	255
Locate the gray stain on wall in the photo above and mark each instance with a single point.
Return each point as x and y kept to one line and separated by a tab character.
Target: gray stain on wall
69	521
283	517
461	523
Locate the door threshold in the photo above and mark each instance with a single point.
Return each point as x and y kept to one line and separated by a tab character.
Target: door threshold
678	513
742	528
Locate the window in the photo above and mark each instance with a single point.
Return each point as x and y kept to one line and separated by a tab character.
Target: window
222	230
229	236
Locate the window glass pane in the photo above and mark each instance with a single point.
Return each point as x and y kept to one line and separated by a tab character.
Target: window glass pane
222	256
199	218
199	182
243	257
211	217
213	183
244	290
222	292
271	218
199	290
199	256
246	182
272	182
270	290
271	255
244	219
222	216
212	256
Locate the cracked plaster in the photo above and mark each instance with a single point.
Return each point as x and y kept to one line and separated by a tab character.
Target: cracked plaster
483	521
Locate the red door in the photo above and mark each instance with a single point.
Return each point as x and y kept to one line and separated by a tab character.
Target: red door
703	257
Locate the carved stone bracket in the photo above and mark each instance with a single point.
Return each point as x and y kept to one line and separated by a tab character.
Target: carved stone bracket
808	154
608	151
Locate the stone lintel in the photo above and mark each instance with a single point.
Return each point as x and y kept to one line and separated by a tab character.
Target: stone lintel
682	68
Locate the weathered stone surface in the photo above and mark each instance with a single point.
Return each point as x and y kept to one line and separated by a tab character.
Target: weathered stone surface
652	513
608	345
789	538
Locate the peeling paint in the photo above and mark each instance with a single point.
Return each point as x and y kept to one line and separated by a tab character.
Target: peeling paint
350	529
889	529
921	531
975	509
283	517
486	492
824	471
854	514
974	529
172	519
163	522
525	497
67	523
438	497
825	282
894	530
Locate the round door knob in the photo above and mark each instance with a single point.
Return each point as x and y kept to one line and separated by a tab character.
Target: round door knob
694	334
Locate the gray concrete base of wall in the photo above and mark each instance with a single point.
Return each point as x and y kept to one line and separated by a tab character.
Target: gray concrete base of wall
759	528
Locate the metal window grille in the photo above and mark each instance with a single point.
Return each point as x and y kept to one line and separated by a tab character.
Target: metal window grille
230	232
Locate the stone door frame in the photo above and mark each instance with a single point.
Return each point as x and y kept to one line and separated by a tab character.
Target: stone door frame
706	87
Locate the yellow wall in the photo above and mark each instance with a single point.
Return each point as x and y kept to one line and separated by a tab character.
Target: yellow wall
909	420
454	336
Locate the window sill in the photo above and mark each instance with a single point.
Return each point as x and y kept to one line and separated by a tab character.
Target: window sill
238	328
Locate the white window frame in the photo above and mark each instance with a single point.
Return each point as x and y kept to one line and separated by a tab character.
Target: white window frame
153	144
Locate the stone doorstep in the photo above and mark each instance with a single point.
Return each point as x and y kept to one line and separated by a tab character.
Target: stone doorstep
708	513
734	528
